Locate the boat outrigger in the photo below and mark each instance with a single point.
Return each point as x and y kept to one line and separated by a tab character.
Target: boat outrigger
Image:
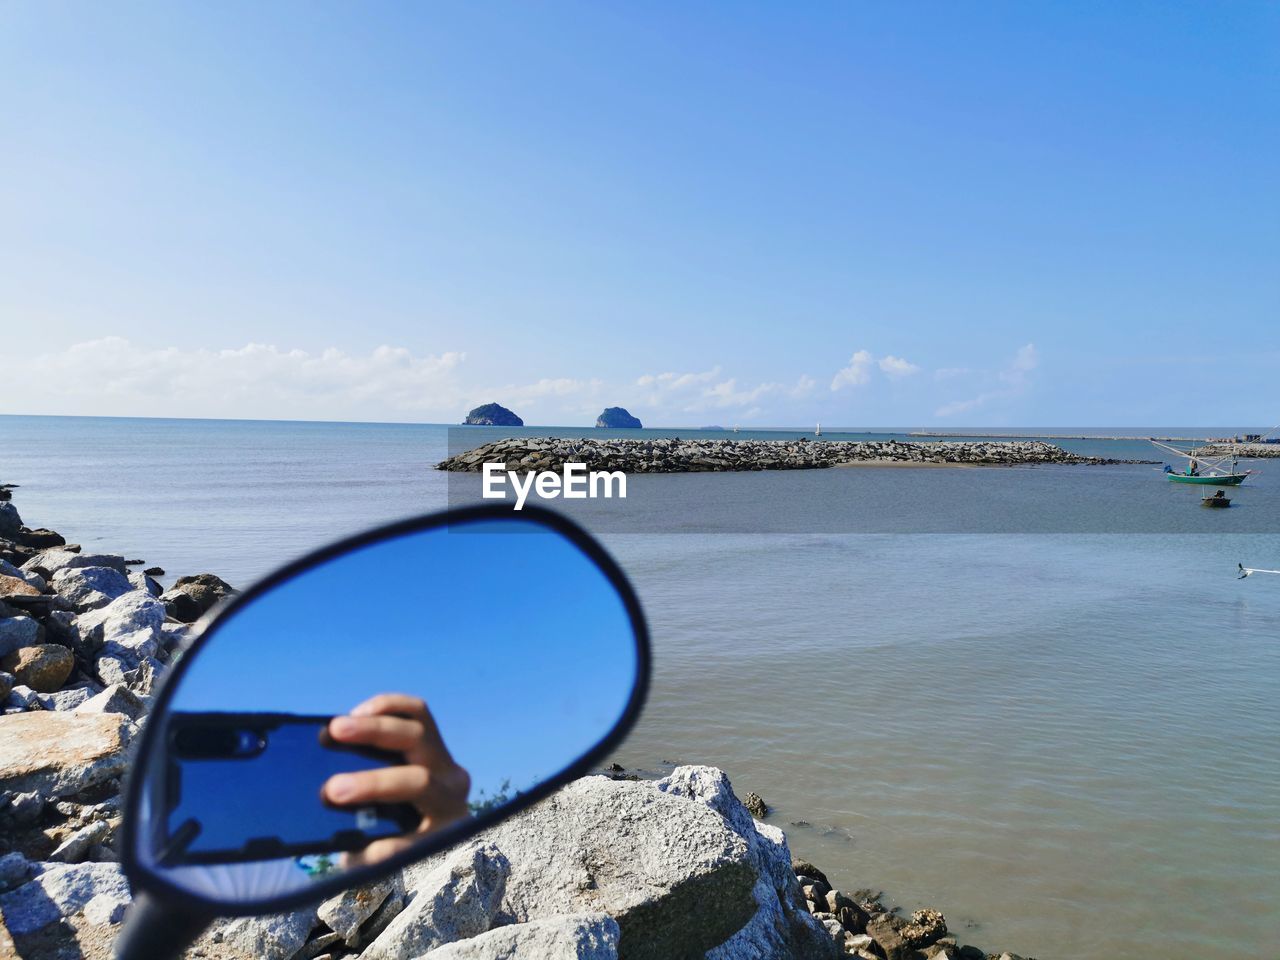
1208	471
1250	571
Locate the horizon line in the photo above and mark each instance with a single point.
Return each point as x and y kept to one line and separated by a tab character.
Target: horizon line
937	431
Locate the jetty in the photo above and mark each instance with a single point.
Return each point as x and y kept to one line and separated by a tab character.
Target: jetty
674	455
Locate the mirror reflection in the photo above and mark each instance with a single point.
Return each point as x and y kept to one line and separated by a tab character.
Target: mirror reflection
379	696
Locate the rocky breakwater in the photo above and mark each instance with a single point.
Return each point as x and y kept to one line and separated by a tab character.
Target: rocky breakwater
674	455
1245	451
83	639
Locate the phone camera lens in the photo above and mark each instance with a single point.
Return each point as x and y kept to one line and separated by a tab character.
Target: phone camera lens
251	743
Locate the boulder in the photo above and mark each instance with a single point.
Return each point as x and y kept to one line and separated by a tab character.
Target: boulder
174	635
781	924
275	937
116	698
454	896
180	606
493	415
40	538
890	942
7	569
925	928
591	936
60	754
132	622
756	806
381	919
15	870
140	581
105	909
347	912
807	869
318	947
10	521
140	674
60	890
44	667
60	558
15	587
22	697
190	597
67	699
672	873
88	588
6	685
680	865
851	916
618	417
16	632
74	848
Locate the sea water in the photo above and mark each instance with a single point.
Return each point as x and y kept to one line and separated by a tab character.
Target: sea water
1037	699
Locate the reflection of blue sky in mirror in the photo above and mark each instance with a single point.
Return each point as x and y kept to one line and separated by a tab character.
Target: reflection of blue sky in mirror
518	643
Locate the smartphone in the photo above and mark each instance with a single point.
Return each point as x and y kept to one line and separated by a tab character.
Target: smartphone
242	787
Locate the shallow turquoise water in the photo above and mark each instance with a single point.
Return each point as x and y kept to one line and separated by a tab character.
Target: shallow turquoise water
986	699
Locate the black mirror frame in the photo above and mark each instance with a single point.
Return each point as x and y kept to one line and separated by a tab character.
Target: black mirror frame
143	878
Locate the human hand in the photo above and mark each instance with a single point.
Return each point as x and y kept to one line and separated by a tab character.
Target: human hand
429	779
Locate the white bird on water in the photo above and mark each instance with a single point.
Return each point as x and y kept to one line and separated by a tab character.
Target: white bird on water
1249	571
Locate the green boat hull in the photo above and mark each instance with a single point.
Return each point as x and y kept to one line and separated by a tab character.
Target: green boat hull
1227	480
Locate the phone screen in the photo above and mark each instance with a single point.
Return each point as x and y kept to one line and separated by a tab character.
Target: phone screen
246	786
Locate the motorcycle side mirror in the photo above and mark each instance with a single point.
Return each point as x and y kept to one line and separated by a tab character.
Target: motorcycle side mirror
376	702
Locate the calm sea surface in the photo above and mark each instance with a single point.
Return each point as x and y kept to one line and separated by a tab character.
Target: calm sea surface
974	691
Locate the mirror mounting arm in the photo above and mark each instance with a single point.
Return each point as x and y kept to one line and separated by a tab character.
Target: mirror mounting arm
158	929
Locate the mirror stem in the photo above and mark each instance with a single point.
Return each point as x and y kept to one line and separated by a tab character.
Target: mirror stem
156	930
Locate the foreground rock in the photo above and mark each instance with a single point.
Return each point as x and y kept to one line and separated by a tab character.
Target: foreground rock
592	936
670	455
56	754
43	667
190	598
492	415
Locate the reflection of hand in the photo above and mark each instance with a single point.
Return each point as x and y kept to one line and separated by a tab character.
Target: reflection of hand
429	779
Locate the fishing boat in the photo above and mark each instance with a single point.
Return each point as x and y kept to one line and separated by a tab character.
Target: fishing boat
1207	471
1218	499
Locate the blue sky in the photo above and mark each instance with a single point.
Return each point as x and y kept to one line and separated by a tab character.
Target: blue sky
917	214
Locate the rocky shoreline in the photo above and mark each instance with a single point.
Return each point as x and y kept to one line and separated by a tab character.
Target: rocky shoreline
673	455
697	873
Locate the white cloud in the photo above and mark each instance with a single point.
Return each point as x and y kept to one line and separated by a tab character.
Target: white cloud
961	406
1026	360
1013	381
856	373
895	367
704	390
115	376
112	375
677	381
